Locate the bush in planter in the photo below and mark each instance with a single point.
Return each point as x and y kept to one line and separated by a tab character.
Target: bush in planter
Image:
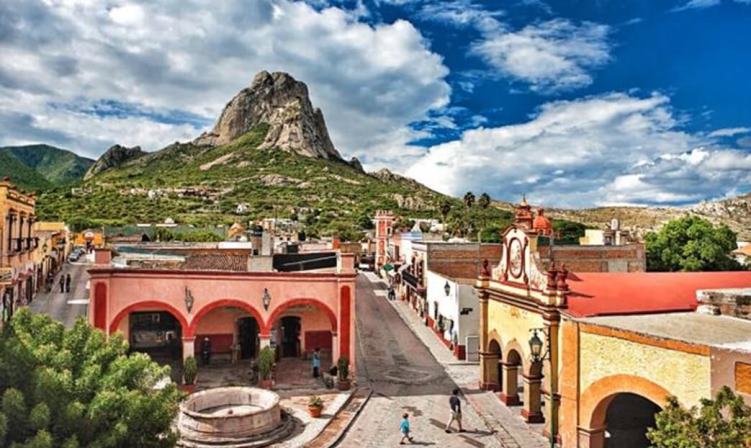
315	402
190	370
266	363
343	366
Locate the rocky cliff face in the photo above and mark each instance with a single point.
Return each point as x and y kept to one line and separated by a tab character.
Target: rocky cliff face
113	157
282	102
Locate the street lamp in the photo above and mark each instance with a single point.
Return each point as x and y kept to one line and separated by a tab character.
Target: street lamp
266	299
447	288
535	348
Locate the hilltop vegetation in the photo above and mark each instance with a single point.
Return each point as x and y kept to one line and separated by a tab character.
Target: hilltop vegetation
41	167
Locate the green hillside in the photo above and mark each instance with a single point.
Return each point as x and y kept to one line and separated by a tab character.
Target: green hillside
203	185
58	166
21	175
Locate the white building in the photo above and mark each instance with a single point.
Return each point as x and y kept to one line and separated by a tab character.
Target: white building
453	312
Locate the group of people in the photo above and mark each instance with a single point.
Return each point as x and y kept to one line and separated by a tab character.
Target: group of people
455	405
65	283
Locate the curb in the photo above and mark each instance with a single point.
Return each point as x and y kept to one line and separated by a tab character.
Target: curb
344	430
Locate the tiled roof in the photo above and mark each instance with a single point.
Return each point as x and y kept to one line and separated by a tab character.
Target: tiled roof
610	293
216	262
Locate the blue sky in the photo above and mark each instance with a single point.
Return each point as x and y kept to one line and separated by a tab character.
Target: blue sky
575	103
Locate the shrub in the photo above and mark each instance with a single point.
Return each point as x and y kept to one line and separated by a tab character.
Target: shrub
343	366
315	402
266	363
190	370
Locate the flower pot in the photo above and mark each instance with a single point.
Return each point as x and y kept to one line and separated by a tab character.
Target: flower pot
315	411
266	384
344	384
188	388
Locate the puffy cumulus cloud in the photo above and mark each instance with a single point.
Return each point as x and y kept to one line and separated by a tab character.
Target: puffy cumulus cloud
191	56
550	56
614	148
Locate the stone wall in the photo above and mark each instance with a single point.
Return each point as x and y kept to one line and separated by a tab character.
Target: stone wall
629	258
461	260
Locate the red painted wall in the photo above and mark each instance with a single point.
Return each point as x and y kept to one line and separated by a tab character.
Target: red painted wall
100	306
345	304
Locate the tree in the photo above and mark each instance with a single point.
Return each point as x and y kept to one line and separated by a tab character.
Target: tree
691	244
445	209
469	199
484	201
75	388
724	422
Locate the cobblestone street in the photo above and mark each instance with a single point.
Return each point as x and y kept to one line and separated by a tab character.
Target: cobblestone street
405	377
65	307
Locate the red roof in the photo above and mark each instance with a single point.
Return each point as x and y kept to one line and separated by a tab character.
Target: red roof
607	293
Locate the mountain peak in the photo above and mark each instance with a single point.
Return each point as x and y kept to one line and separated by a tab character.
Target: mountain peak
282	102
114	156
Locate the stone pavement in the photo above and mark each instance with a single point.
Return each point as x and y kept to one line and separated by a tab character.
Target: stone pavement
404	377
62	306
507	422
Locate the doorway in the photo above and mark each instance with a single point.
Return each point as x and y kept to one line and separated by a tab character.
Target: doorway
290	336
247	335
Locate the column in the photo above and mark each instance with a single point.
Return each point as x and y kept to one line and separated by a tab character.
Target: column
510	394
265	340
591	438
489	370
486	359
532	412
189	346
553	401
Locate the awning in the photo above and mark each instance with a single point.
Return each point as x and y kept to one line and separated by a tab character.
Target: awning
388	267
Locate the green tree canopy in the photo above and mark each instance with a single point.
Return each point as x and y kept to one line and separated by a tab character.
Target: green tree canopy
721	423
469	199
484	200
76	388
691	244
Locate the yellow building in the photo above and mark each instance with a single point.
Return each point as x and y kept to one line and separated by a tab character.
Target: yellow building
53	248
17	243
595	355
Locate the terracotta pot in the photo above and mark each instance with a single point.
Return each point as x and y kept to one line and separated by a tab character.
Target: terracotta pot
188	388
315	411
344	384
266	384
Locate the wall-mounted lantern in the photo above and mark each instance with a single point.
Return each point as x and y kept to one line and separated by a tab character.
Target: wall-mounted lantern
447	288
266	299
189	299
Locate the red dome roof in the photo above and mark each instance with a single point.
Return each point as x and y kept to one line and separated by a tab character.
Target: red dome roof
542	223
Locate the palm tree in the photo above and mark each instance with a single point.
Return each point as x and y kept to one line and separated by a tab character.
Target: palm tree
484	201
445	209
469	199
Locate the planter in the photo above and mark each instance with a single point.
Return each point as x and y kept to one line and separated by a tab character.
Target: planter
266	384
188	388
344	384
315	411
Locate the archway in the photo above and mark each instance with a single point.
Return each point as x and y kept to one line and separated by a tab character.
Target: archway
493	370
150	305
298	327
627	418
639	396
226	330
510	378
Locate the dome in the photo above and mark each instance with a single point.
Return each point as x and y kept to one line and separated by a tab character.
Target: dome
542	223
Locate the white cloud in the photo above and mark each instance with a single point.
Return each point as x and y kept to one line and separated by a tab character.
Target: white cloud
194	55
550	56
729	132
703	4
606	149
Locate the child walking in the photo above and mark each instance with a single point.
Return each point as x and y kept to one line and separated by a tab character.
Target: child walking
404	427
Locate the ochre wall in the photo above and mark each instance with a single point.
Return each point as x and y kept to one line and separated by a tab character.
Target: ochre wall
685	375
512	324
732	368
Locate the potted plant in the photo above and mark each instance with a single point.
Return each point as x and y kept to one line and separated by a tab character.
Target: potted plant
344	382
266	367
190	371
315	406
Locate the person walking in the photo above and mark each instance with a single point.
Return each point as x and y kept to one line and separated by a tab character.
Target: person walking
62	283
456	411
404	429
392	293
67	283
316	362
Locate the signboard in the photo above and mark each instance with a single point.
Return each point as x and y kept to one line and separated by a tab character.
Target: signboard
6	276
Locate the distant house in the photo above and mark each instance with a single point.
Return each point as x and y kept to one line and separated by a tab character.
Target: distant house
743	254
241	209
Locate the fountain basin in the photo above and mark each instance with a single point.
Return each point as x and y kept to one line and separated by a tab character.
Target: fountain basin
231	415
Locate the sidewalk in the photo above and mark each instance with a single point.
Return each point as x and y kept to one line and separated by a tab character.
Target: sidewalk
510	429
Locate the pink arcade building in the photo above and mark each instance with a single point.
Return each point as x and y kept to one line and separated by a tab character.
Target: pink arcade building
171	310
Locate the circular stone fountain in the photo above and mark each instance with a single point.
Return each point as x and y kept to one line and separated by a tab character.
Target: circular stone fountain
241	417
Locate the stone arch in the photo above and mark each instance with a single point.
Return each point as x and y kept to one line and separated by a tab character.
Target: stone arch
303	301
598	396
151	305
224	303
513	360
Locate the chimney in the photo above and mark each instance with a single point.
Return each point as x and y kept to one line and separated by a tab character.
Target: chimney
102	256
